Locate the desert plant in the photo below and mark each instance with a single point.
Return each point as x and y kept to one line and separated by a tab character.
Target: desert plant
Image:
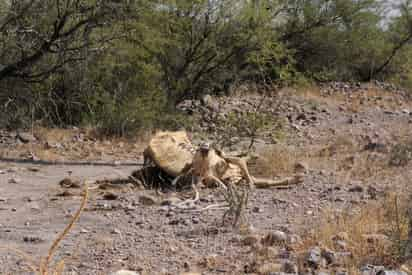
237	197
401	154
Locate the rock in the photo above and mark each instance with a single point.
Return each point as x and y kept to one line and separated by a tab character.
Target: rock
110	196
341	245
32	239
269	268
371	269
25	137
250	240
301	167
289	267
356	188
69	183
301	116
372	192
116	231
147	200
15	180
329	256
391	272
269	252
170	201
376	238
375	146
294	239
84	231
274	237
314	257
125	272
190	273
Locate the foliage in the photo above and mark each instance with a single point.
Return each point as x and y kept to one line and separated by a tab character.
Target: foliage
124	65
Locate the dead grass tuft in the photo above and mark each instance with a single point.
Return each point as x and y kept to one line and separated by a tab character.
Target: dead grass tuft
276	161
376	234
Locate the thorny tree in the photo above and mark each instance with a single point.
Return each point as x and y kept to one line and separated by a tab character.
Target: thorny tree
37	37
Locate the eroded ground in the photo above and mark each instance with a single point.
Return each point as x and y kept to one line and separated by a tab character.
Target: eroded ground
343	137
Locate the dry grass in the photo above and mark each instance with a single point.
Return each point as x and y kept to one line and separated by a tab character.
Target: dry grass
277	161
364	232
46	265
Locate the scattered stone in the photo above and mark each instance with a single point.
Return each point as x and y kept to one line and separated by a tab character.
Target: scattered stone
375	146
294	239
33	169
356	188
314	257
116	231
274	237
15	180
65	193
301	167
32	239
26	137
125	272
329	256
110	196
289	267
147	200
12	170
376	238
341	245
269	252
172	200
269	268
69	183
372	192
391	272
250	240
371	269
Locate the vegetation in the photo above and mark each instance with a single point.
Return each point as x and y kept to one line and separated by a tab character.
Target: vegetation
124	65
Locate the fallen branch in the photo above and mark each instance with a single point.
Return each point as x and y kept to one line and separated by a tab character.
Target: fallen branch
283	183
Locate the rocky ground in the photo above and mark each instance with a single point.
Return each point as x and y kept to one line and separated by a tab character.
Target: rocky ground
353	141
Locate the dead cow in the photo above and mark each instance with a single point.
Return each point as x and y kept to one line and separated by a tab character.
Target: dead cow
174	153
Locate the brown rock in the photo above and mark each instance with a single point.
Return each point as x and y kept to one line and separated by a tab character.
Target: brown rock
147	200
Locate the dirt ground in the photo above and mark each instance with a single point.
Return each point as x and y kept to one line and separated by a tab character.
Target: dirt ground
118	230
